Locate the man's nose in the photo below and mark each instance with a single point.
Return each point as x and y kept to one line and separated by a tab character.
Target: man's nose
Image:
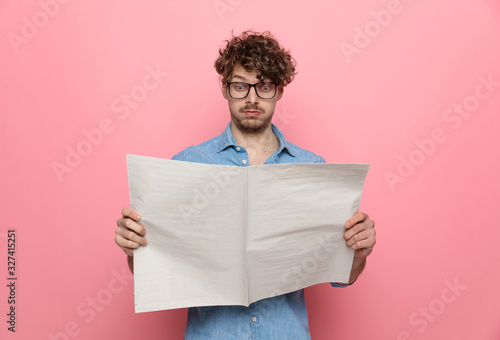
252	97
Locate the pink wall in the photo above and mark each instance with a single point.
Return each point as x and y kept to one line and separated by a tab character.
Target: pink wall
367	91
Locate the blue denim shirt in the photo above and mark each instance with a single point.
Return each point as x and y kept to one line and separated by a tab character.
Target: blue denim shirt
281	317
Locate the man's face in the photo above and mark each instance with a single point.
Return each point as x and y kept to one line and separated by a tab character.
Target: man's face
251	114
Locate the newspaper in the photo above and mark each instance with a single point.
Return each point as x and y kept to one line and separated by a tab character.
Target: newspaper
230	235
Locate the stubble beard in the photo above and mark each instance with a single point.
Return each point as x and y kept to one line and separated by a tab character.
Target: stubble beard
251	125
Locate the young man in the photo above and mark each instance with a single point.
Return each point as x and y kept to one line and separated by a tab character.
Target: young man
254	70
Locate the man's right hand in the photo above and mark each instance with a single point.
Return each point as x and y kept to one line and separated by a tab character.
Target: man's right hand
129	233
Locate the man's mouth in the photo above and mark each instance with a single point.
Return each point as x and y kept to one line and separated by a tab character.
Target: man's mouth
252	112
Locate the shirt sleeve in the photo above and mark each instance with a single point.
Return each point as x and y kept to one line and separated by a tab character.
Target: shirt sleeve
334	284
179	156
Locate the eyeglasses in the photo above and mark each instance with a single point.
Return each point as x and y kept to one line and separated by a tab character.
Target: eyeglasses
241	90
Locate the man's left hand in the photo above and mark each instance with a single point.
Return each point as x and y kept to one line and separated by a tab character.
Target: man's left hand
360	234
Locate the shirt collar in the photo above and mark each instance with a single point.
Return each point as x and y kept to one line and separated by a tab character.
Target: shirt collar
226	139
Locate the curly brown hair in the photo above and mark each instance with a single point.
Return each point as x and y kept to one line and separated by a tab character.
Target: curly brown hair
256	51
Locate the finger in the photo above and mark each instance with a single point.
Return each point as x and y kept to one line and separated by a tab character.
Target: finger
124	242
359	227
364	252
127	212
129	251
356	218
128	223
130	235
366	244
136	227
363	235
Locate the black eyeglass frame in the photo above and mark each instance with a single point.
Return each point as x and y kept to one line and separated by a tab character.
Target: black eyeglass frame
249	87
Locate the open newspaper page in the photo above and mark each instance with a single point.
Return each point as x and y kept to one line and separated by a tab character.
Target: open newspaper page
296	225
193	215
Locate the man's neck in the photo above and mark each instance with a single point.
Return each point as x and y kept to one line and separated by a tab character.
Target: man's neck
259	146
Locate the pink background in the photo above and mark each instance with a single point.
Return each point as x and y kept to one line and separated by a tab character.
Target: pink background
63	75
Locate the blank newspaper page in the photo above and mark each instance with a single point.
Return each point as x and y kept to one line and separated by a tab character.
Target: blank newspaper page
193	215
296	225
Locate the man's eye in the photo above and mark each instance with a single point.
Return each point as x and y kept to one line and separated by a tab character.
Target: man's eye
267	87
239	87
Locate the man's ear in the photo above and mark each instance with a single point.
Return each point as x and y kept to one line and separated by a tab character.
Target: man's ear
281	89
224	91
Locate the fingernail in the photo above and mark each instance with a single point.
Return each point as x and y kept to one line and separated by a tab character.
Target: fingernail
138	217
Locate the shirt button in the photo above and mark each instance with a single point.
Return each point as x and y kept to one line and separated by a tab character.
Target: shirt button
244	161
254	319
238	148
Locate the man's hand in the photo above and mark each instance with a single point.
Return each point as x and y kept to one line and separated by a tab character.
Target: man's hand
129	233
360	234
